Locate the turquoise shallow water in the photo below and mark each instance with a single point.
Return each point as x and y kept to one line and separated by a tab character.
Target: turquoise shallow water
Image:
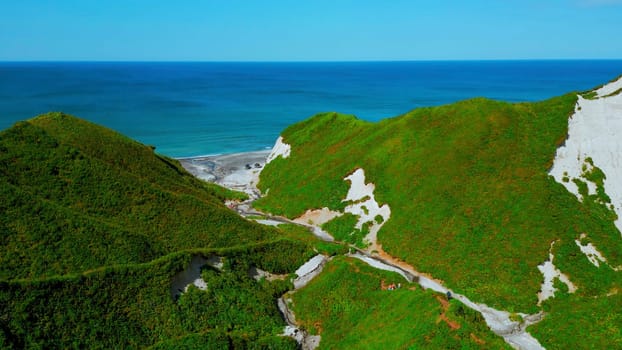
188	109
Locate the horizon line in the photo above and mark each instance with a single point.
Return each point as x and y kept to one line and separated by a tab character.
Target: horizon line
315	61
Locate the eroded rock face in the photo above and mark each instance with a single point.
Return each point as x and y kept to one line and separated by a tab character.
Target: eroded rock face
309	270
594	141
590	251
280	149
363	204
550	272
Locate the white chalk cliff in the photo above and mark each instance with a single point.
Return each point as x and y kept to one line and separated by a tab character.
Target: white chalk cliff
594	131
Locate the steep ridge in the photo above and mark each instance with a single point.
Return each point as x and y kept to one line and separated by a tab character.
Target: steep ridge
471	203
95	230
84	196
422	317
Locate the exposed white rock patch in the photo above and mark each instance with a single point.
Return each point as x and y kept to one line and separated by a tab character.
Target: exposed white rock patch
594	131
257	274
309	270
306	341
215	261
280	149
317	217
192	275
321	234
305	273
590	251
364	205
244	180
313	219
380	265
199	283
268	222
550	273
610	88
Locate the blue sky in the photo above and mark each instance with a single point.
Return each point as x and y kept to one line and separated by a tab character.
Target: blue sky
309	30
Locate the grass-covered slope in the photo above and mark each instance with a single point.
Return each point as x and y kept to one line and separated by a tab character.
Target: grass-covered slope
348	306
93	227
130	306
471	201
77	196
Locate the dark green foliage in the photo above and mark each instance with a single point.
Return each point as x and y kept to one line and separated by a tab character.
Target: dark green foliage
130	306
208	340
224	193
220	341
232	302
596	176
591	95
93	227
301	233
282	256
78	196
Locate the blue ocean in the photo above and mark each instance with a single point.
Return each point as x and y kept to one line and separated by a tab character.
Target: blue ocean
187	109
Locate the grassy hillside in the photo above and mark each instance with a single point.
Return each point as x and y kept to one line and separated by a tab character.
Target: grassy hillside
93	227
131	306
347	305
77	196
471	201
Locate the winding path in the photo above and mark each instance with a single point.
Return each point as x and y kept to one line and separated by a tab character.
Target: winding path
513	332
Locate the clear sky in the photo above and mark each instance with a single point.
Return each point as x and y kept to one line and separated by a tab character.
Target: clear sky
309	30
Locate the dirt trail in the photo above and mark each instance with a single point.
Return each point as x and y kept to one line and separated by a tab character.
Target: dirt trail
443	316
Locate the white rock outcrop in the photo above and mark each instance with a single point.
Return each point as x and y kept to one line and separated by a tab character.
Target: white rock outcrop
280	149
594	131
590	251
550	272
364	205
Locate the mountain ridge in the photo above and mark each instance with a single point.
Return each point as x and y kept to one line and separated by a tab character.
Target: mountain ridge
96	226
471	200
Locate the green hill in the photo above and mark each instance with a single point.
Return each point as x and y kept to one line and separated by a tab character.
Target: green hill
77	196
93	227
96	227
471	202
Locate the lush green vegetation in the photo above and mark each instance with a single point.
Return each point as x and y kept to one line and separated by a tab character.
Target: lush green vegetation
93	227
342	228
77	196
131	305
590	95
582	323
471	201
301	233
347	305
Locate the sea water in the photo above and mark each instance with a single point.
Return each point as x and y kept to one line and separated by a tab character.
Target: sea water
198	108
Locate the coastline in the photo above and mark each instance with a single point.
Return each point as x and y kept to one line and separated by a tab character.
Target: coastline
237	171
